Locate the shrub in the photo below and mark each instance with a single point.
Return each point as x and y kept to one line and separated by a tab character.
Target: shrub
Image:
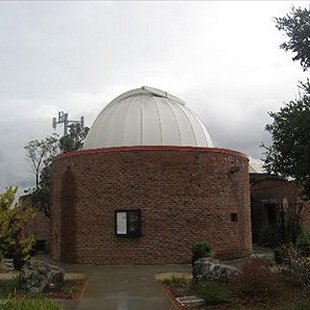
299	267
13	222
213	293
201	249
258	280
299	305
69	291
269	235
287	228
290	279
28	304
177	281
303	243
293	223
304	238
9	286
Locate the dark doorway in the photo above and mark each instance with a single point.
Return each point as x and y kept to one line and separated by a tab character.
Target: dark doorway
270	211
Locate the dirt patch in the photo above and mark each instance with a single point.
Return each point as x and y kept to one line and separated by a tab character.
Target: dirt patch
170	275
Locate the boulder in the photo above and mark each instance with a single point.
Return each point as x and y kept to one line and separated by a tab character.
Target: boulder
209	269
36	276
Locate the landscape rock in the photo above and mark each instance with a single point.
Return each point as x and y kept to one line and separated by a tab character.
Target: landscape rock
209	269
36	276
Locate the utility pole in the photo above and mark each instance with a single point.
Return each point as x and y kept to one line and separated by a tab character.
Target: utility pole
63	118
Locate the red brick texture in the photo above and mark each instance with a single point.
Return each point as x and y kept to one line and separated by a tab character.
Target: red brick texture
184	194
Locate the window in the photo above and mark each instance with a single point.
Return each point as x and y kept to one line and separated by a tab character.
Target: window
128	223
234	217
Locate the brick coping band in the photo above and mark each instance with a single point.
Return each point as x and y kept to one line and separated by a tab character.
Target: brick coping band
152	149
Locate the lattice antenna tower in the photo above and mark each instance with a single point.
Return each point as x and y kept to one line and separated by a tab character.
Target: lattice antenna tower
63	118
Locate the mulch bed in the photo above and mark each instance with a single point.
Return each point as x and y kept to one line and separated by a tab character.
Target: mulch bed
290	293
72	289
242	303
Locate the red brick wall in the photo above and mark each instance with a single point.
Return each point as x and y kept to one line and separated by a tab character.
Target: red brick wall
185	195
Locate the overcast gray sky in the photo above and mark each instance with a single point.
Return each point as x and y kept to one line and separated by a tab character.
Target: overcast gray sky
222	58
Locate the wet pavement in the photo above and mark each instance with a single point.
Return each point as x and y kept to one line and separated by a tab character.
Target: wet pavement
131	287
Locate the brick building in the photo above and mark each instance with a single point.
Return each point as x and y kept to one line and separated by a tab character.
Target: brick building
39	225
146	186
269	195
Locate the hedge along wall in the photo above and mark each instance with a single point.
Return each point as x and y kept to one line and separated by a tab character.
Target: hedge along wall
184	195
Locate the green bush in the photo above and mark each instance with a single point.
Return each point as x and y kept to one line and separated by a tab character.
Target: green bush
269	235
213	293
303	243
201	249
25	303
264	235
68	291
9	286
303	238
14	218
177	281
293	223
299	267
299	305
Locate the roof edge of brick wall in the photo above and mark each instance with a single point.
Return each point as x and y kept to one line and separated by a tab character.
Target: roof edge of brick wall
265	185
152	149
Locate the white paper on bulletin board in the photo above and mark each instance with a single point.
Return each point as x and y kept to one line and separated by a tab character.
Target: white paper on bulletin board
121	223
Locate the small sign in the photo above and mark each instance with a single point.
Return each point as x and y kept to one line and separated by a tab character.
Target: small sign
121	223
190	301
128	223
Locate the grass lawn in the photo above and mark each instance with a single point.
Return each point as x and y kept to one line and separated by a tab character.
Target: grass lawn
28	303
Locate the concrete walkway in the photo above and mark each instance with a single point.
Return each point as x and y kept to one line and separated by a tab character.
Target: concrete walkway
122	287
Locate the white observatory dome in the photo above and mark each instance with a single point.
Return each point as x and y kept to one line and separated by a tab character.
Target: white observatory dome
147	116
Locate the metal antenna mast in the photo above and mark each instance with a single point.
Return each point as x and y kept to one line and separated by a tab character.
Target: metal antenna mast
63	118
